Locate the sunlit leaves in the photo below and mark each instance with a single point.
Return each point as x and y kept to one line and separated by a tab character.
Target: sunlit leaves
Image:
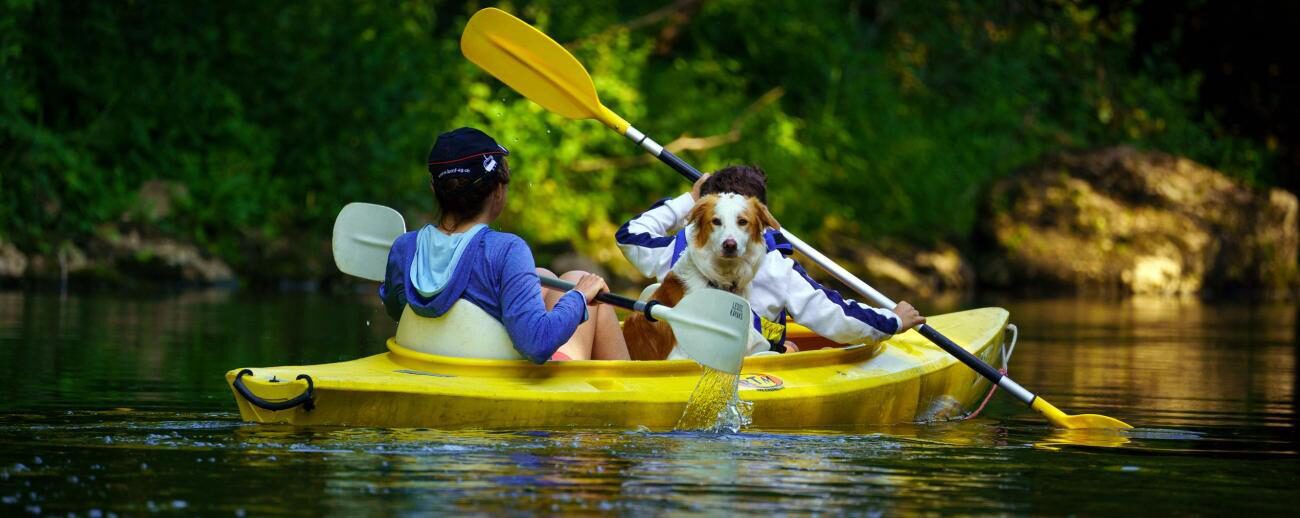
891	118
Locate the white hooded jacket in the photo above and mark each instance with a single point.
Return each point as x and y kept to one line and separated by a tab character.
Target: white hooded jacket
652	242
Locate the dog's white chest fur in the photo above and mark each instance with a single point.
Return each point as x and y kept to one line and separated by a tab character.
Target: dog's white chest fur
725	249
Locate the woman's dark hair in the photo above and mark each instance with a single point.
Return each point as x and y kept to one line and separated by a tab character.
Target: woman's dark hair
745	180
462	198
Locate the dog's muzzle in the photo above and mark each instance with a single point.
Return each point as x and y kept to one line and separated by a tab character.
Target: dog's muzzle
729	248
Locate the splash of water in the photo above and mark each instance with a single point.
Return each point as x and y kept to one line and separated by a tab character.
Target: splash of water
715	405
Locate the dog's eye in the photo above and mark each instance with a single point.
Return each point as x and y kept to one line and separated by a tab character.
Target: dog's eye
742	222
717	222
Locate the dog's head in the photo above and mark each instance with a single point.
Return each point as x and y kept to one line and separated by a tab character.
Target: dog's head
729	227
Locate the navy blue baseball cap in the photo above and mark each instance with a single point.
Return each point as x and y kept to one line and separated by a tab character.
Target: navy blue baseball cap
465	153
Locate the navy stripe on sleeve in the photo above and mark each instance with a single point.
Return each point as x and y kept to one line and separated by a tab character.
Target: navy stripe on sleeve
871	318
644	239
776	241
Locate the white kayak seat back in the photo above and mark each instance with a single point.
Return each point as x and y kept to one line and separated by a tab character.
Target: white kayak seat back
464	331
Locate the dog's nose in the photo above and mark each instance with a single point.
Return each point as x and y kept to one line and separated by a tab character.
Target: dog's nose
729	245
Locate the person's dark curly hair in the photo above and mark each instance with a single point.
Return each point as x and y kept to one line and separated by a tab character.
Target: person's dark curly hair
745	180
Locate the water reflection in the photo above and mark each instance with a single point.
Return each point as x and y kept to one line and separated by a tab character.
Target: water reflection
1056	439
1178	361
212	462
117	405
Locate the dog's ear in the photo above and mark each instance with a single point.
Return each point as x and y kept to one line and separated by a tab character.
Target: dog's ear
703	210
764	216
701	217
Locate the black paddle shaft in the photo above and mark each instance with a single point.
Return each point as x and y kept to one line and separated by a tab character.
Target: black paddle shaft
607	297
692	174
645	308
961	353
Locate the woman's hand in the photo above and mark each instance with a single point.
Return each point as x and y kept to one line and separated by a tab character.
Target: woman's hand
908	315
695	189
591	285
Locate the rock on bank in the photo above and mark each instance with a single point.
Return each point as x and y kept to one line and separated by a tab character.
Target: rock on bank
1141	222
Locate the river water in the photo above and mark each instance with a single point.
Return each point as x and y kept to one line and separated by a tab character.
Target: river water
117	405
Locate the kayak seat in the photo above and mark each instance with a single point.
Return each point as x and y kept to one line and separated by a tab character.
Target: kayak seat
464	331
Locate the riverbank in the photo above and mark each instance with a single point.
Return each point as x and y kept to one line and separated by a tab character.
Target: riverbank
1112	221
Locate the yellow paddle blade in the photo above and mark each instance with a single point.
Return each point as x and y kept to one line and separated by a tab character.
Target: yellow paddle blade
534	65
1074	422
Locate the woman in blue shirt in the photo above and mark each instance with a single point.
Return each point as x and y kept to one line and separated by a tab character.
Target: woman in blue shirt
460	258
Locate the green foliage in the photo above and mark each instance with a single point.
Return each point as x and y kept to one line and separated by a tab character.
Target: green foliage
879	119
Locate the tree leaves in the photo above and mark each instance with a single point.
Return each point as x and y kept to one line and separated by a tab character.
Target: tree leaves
891	118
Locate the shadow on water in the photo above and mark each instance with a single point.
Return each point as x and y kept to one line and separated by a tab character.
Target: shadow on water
118	405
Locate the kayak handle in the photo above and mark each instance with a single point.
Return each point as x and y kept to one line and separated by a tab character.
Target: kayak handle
306	399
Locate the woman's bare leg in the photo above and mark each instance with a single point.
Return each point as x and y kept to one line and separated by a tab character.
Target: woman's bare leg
579	345
600	337
609	343
549	296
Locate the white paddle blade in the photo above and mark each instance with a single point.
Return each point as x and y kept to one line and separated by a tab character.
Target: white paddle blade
363	233
712	327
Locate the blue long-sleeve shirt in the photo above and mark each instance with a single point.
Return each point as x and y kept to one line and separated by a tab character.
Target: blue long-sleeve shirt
496	272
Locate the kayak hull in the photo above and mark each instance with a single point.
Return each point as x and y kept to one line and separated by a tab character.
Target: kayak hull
905	379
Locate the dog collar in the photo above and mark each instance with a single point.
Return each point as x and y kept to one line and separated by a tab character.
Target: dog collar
716	286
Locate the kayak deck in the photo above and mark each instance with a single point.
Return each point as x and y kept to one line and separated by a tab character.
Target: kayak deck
904	379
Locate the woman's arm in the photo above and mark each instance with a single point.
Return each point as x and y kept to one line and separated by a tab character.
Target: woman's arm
393	290
536	333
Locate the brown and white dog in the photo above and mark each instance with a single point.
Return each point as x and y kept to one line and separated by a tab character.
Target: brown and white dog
725	248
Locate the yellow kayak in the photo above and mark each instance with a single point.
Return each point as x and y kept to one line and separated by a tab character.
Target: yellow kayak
904	379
